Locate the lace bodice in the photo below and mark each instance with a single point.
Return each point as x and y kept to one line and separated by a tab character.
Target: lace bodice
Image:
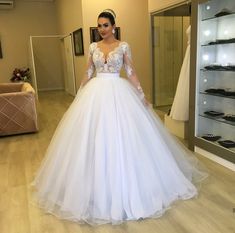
115	60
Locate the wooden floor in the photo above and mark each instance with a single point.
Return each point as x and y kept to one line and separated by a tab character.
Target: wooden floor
212	212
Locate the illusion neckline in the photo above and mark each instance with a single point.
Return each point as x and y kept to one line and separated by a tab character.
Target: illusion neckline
105	57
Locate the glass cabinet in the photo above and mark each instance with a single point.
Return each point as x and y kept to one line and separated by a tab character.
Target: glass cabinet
213	77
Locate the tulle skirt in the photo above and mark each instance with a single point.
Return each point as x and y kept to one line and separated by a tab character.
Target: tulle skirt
111	159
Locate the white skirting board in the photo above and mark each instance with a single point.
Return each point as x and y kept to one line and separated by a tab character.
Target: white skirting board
51	89
215	158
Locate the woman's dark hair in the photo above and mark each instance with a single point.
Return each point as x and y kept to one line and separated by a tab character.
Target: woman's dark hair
107	15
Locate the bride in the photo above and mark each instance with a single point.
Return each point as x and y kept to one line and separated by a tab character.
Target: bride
111	159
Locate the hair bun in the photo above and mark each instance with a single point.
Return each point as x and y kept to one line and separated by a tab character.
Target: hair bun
111	12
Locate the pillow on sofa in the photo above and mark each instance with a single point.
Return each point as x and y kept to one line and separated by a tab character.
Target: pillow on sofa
27	87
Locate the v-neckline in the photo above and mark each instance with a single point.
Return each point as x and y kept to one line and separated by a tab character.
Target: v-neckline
107	55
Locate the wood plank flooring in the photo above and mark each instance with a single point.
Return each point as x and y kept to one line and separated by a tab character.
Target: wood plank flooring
20	156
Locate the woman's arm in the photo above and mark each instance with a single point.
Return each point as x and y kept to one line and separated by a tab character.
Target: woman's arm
89	69
131	73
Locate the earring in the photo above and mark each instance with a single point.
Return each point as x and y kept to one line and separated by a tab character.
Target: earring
113	31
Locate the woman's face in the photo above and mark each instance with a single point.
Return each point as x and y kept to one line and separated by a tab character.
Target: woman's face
105	27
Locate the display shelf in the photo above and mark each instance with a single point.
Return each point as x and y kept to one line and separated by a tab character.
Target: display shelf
217	144
217	95
219	119
232	14
205	70
218	43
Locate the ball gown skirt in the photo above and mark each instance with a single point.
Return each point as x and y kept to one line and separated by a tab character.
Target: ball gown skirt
111	159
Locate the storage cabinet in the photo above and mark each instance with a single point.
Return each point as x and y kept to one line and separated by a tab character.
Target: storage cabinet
213	77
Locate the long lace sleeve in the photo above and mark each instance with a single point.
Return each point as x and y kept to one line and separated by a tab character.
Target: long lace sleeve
89	69
130	71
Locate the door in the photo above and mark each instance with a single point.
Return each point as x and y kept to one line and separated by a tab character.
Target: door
32	66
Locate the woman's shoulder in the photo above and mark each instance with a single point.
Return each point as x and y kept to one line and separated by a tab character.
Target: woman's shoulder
124	45
92	47
93	44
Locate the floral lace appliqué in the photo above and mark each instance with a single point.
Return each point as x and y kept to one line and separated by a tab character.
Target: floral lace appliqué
114	60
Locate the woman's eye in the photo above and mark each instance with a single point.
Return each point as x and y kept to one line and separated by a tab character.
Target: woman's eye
104	25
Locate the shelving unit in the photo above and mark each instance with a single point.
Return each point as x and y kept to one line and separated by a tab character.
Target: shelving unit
213	67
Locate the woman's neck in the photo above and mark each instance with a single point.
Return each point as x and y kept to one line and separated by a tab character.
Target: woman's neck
109	40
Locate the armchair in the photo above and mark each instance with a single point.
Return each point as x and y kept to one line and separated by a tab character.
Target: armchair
17	109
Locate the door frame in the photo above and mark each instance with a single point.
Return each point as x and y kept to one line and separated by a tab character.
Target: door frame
32	60
73	63
152	15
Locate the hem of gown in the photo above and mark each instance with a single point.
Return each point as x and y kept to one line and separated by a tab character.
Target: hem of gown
68	216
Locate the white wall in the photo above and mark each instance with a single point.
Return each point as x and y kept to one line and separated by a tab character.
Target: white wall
16	25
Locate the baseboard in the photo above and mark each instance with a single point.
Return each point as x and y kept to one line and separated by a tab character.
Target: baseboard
215	158
51	89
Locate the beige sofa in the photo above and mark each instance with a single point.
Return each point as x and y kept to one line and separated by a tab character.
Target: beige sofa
17	109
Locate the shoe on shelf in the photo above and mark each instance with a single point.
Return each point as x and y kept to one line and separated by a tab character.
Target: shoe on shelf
214	113
227	143
223	12
216	91
211	137
229	117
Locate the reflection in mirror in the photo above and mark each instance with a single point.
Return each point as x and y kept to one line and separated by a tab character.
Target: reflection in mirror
169	46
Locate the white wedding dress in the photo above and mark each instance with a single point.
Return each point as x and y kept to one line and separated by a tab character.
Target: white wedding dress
180	107
111	159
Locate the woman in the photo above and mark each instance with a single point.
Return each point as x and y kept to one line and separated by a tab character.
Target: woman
111	159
